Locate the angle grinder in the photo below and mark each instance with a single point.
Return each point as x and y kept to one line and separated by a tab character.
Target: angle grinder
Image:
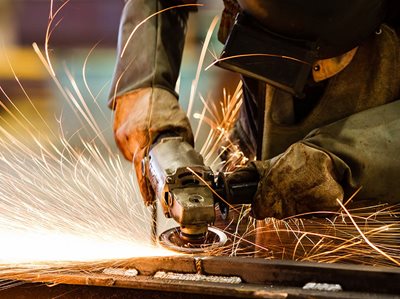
188	191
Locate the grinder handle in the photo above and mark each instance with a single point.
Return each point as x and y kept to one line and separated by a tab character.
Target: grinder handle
235	189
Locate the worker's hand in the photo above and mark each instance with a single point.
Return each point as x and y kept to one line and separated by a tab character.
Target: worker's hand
140	116
300	180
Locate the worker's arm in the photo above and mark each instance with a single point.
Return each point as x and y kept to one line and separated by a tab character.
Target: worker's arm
149	55
356	143
147	68
331	163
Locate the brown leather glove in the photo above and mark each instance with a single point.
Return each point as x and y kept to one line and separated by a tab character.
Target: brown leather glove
140	117
300	180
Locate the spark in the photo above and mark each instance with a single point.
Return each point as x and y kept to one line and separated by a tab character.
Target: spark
195	81
255	55
332	237
64	202
363	236
49	31
221	119
58	246
69	205
151	16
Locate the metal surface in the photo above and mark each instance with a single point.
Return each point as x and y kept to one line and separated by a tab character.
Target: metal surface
259	279
173	239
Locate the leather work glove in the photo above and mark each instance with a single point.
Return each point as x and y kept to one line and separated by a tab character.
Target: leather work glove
140	117
300	180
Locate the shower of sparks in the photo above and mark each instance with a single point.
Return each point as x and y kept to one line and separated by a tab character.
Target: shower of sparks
366	236
221	118
64	202
61	203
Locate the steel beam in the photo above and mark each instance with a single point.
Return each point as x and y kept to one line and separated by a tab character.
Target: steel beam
259	279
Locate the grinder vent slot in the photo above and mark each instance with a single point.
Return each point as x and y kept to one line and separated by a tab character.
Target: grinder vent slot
188	178
182	175
190	181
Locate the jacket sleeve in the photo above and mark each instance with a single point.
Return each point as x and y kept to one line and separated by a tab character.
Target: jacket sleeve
365	151
151	56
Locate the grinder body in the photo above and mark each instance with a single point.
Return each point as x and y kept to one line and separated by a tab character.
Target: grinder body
181	183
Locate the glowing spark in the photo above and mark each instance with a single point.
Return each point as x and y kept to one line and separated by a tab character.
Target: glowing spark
151	16
221	120
195	82
373	246
47	246
49	31
74	207
255	55
63	203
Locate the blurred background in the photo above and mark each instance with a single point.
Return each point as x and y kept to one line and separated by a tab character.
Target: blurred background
86	30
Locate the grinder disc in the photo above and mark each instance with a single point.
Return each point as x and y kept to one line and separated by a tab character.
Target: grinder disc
173	239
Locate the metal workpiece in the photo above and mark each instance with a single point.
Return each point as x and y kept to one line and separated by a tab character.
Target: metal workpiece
208	277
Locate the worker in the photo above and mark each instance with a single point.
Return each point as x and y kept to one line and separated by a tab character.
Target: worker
337	134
